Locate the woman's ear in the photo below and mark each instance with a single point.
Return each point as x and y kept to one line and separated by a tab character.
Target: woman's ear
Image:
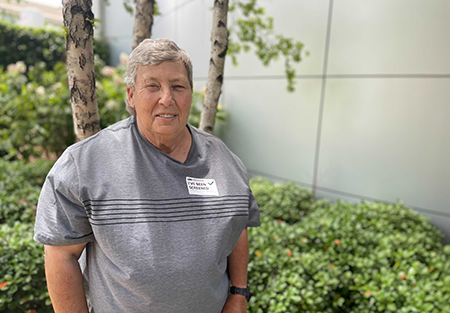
130	94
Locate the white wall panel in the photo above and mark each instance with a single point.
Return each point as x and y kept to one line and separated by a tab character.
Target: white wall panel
164	28
390	37
189	25
272	131
388	139
303	20
194	32
167	6
117	45
117	27
199	83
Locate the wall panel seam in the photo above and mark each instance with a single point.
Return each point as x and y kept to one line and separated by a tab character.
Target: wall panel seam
322	97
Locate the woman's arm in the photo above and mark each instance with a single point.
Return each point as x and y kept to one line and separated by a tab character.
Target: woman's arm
64	278
237	267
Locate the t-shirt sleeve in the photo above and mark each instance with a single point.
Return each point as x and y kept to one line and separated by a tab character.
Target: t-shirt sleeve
254	219
61	219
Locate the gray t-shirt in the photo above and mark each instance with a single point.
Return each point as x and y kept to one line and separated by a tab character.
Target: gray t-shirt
158	231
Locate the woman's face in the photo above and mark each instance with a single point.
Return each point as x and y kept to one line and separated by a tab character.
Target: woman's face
162	98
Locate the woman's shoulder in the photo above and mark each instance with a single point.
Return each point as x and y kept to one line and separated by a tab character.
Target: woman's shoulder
105	136
206	138
212	145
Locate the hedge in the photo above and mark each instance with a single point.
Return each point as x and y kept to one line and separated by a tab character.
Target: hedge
20	184
370	257
22	279
340	257
286	201
22	275
33	45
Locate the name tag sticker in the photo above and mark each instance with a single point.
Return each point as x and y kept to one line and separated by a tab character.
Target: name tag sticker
202	186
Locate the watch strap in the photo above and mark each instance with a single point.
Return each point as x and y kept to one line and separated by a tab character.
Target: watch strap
241	291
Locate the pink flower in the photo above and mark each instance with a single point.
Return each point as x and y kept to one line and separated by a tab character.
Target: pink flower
107	71
118	80
123	59
11	68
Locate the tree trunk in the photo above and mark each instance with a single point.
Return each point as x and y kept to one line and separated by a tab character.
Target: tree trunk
78	21
143	21
219	47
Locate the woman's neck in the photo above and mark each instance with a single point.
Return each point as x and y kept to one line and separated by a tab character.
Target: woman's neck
176	146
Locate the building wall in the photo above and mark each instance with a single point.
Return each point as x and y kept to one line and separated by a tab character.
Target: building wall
369	117
116	27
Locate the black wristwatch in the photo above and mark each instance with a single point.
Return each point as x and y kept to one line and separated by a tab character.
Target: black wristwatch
241	291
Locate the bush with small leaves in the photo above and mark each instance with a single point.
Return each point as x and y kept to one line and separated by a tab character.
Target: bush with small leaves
370	257
35	113
286	201
20	185
22	276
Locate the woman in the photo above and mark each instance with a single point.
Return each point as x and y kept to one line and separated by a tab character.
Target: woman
160	206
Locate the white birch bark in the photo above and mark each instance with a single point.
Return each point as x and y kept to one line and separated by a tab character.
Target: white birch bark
78	21
219	47
143	21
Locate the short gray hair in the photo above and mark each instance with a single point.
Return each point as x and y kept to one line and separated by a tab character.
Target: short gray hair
154	52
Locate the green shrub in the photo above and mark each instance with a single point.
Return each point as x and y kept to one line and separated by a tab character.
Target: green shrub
370	257
35	113
33	45
22	276
20	184
285	201
22	280
21	173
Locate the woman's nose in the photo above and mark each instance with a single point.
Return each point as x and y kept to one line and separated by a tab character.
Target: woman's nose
166	97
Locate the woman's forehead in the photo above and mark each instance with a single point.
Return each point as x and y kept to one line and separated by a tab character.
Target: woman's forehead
171	70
